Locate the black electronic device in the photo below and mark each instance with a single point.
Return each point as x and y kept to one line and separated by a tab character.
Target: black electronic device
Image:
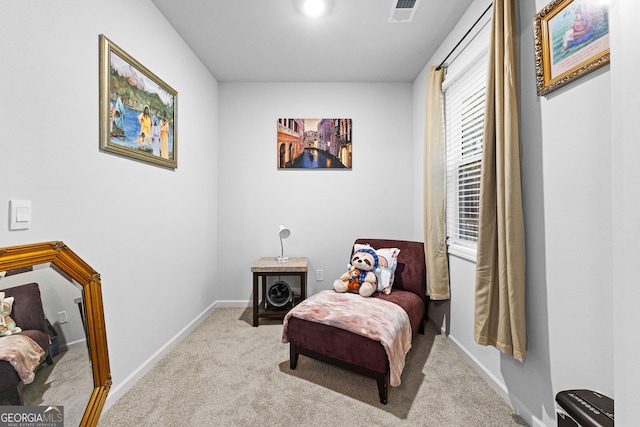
584	408
279	294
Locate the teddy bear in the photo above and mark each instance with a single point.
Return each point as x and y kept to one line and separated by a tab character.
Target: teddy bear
360	277
7	324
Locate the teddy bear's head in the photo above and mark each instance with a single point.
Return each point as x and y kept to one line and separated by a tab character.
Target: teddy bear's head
365	259
7	324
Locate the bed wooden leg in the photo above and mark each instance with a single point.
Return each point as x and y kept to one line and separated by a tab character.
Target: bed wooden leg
293	356
383	387
425	318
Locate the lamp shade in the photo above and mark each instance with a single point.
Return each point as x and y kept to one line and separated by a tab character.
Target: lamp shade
283	234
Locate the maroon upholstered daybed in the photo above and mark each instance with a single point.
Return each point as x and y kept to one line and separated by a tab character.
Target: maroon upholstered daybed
29	315
356	352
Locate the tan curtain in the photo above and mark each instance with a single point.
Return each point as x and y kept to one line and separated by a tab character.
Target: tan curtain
435	233
500	287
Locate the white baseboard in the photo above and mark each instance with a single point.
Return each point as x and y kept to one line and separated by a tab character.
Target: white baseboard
493	381
232	304
536	422
122	388
62	347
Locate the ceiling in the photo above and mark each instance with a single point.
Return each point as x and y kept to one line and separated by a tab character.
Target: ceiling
270	41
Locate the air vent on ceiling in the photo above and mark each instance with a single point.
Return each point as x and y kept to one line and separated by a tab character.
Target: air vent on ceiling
403	10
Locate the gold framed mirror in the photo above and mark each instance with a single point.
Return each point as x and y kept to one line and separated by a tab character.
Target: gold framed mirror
65	262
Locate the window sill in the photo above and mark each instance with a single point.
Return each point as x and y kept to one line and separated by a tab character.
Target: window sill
464	252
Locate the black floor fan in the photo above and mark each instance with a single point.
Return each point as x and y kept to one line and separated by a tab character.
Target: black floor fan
279	295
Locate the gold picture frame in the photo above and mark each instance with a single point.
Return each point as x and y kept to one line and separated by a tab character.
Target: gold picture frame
571	40
57	255
137	109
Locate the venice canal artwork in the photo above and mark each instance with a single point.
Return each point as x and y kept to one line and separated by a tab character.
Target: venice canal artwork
314	144
141	112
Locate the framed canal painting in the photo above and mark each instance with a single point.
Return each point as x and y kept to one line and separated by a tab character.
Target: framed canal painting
571	40
137	109
314	144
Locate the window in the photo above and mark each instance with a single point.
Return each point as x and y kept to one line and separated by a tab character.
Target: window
464	98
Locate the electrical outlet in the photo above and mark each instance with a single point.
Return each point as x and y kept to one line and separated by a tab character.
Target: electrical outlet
319	275
62	317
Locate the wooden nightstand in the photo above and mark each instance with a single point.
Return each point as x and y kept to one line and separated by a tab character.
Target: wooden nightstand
269	266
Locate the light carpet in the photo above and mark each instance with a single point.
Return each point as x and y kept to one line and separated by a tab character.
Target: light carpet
229	373
68	383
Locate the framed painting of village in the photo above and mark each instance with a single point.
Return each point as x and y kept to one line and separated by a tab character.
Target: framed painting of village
314	144
571	40
137	109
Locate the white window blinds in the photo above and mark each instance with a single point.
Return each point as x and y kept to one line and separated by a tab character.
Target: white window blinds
464	89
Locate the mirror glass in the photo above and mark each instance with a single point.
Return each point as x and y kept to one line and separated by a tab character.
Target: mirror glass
78	379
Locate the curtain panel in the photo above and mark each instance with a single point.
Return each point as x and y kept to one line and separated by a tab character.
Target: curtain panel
435	230
500	276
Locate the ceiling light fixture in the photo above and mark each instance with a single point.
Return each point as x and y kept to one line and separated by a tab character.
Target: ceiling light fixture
314	8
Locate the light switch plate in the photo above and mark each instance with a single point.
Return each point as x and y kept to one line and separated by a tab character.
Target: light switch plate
20	214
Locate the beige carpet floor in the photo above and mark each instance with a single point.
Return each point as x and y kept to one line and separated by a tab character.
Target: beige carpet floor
68	382
228	373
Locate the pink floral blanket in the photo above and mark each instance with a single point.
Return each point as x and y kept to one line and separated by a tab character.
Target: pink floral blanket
23	353
373	318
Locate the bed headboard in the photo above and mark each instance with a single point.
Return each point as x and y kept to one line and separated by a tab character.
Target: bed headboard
411	272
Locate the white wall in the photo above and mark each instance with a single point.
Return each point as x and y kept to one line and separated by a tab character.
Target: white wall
625	150
567	179
325	209
150	232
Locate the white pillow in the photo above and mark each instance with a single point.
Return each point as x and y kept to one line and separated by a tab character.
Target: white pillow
387	261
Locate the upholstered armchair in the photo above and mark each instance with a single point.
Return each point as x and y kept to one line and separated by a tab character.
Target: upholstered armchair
28	314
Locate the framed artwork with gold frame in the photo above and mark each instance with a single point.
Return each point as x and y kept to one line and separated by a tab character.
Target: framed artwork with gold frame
571	40
137	109
314	143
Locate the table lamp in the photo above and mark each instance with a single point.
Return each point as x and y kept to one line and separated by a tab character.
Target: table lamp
283	234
